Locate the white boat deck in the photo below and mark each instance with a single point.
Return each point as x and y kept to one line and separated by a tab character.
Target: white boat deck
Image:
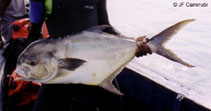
174	83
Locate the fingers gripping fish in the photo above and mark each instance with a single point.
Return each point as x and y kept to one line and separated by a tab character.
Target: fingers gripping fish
91	57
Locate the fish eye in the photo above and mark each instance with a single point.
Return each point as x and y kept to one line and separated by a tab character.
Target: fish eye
32	61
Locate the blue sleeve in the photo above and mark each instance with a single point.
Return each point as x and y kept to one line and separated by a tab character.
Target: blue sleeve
37	11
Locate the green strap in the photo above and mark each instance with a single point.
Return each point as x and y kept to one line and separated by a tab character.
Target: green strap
48	6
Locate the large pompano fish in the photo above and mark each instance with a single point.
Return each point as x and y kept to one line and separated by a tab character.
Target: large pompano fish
91	57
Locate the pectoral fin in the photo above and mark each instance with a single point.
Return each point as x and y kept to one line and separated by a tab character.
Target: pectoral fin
70	63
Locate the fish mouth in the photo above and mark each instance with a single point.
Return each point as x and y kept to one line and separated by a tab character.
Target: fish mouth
23	72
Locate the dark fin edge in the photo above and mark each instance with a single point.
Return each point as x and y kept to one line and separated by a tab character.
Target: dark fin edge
166	35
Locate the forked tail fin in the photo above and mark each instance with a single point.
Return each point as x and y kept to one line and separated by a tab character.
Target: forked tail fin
157	42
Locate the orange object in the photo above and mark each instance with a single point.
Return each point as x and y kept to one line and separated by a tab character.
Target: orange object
21	29
22	92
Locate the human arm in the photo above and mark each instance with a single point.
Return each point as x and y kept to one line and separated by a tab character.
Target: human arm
36	15
103	18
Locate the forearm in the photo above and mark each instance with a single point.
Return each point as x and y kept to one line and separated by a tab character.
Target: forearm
102	13
37	11
36	15
103	18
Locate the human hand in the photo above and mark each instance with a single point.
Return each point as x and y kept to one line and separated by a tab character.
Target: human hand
142	47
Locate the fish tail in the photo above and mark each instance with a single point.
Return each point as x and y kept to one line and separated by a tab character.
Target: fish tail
157	42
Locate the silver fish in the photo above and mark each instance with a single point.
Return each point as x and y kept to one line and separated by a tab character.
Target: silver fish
91	57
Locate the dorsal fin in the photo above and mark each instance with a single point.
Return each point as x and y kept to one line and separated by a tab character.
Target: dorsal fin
101	28
98	29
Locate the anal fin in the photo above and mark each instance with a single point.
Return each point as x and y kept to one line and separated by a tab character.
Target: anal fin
108	85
